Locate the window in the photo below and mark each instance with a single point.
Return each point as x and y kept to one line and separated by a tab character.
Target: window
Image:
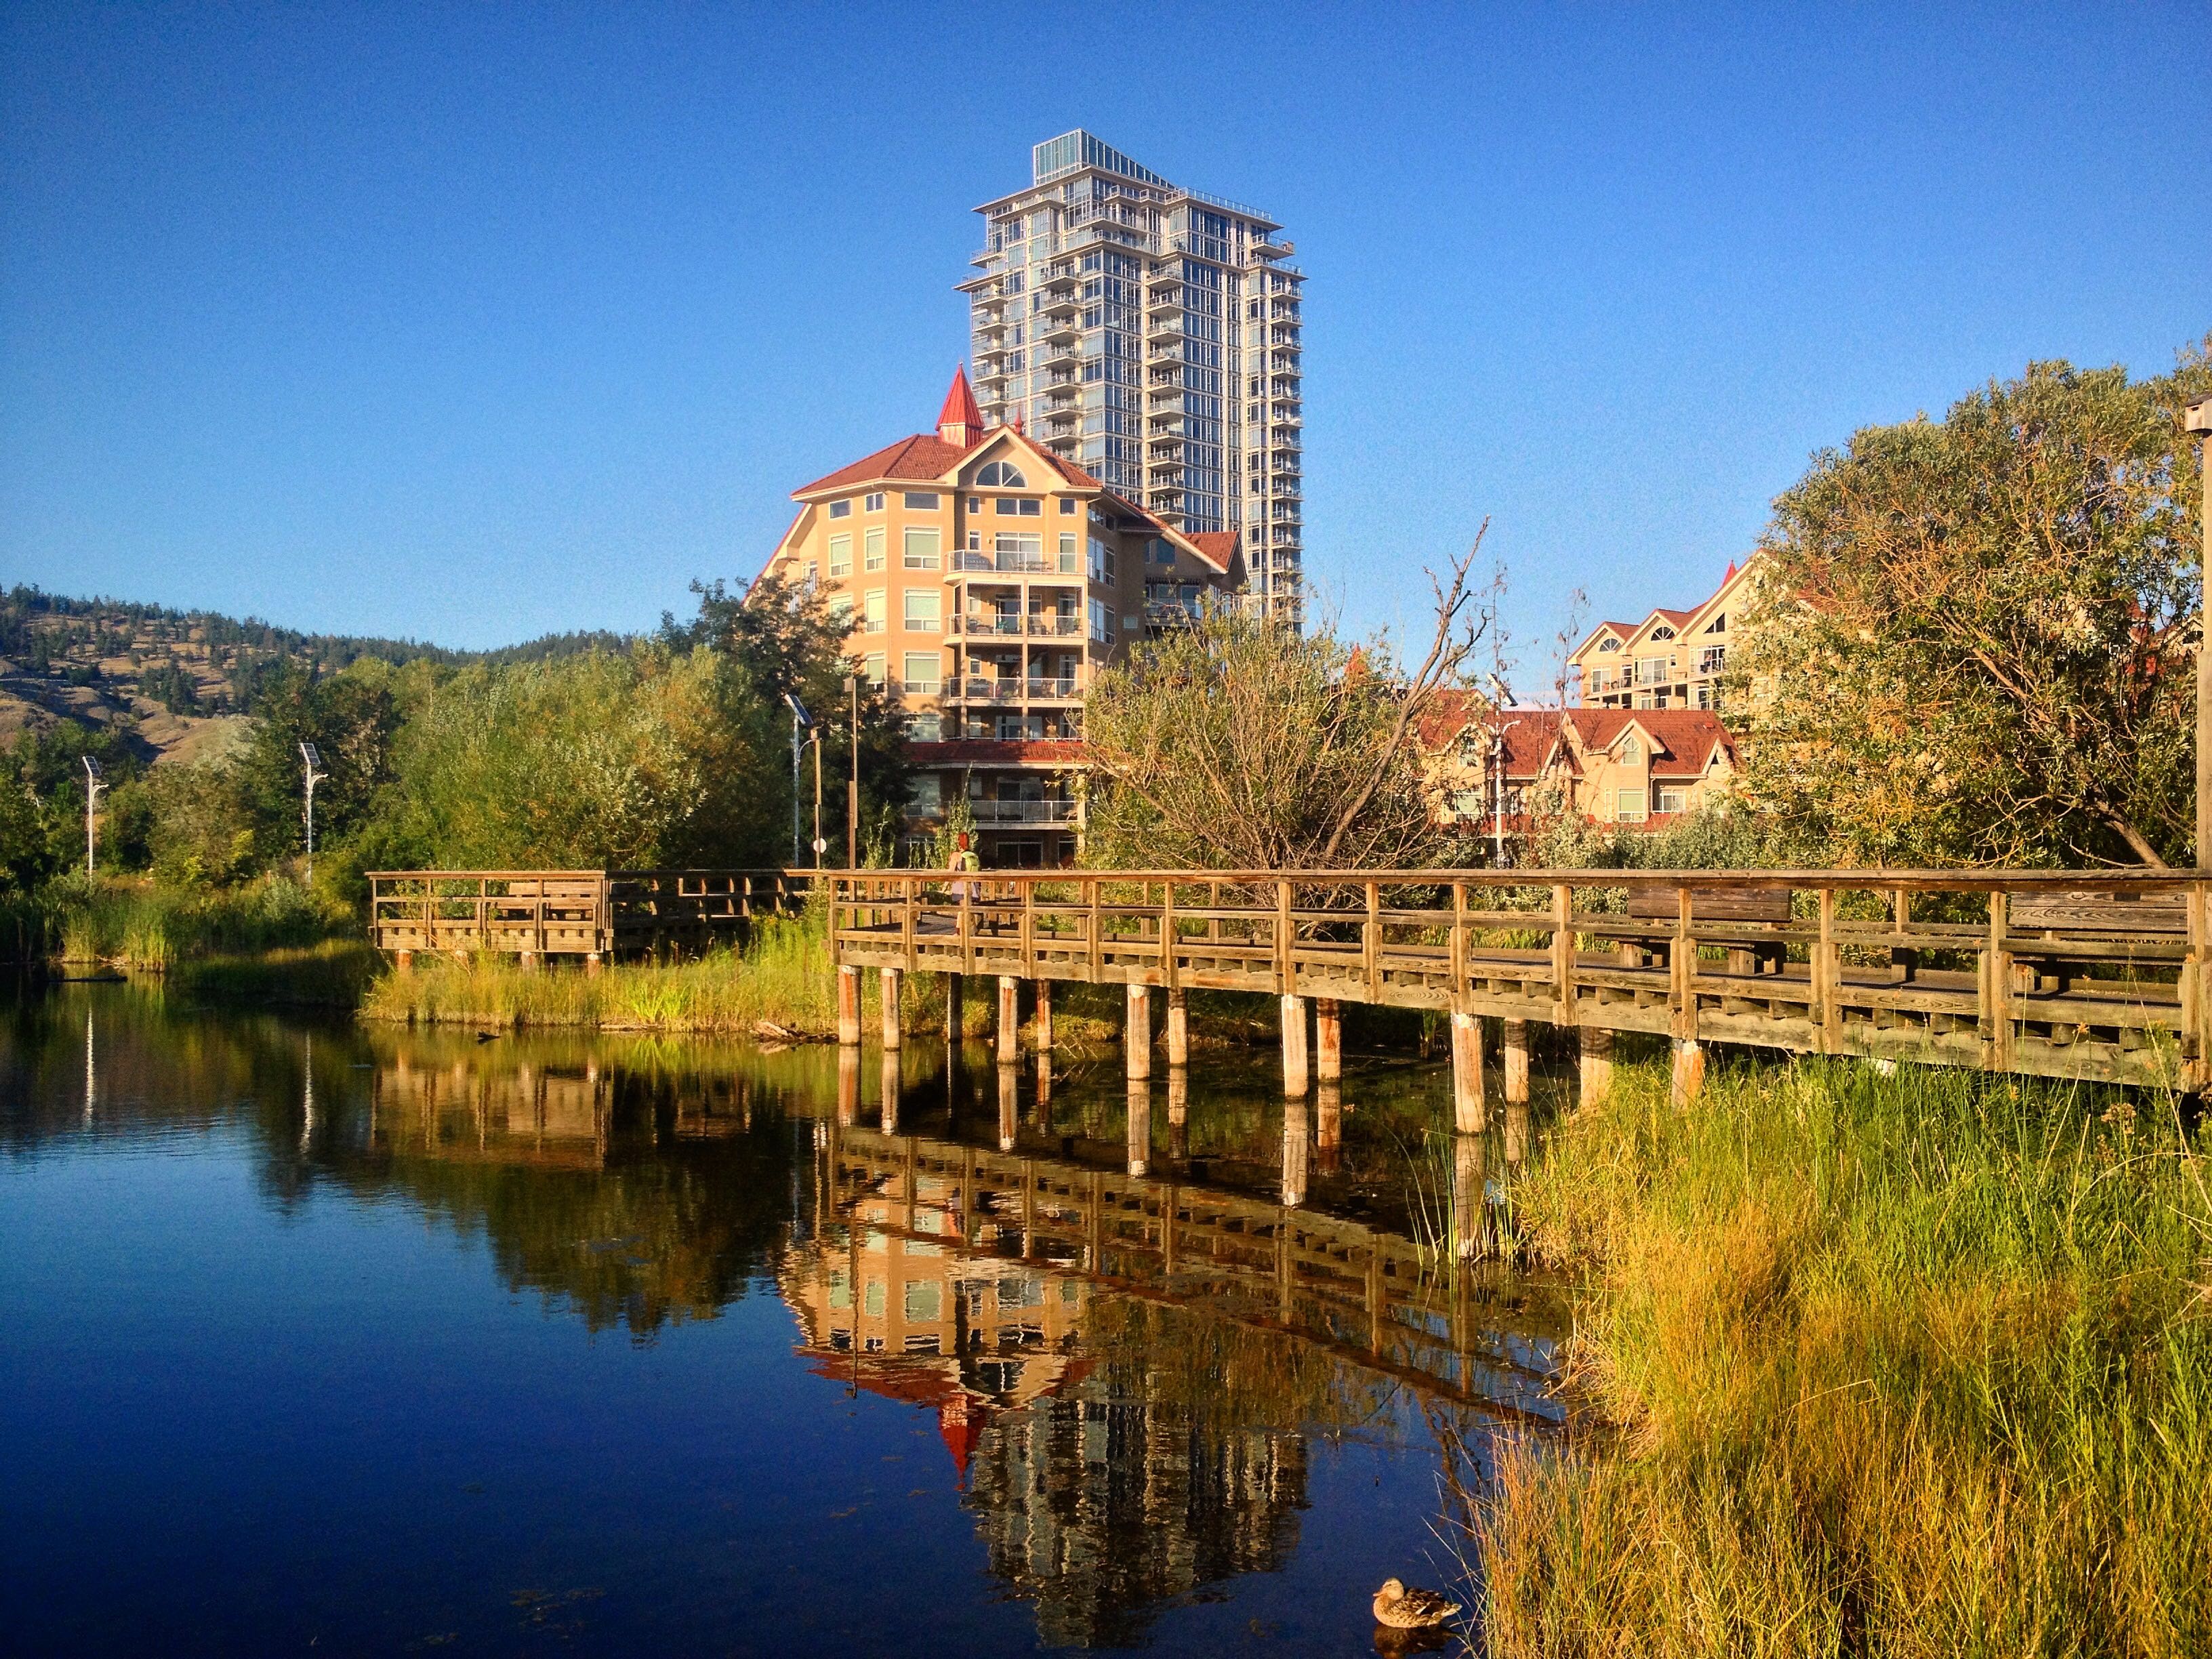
1068	555
920	669
1712	659
1000	475
926	727
874	503
841	553
1662	632
872	667
872	611
873	547
1608	644
1468	804
920	551
1718	625
1066	506
1631	807
1015	549
1157	550
922	609
922	501
841	607
974	541
841	509
1674	800
871	1298
1650	671
1631	751
1102	562
924	1301
1019	507
974	503
1102	627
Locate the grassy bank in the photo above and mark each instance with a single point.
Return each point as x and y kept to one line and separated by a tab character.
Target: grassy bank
1902	1365
141	925
781	975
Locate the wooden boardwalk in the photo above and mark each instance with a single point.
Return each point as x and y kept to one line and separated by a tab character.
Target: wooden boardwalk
591	913
2071	974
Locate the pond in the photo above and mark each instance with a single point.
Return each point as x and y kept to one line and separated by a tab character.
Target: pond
355	1339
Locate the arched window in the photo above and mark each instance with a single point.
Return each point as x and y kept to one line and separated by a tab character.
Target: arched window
1000	475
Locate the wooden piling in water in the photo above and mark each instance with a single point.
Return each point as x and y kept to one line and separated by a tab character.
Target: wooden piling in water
1137	1032
1329	1040
1010	1088
890	1092
1470	1111
955	1008
848	1087
1139	1125
848	1007
1516	1062
1044	1021
1010	1019
1295	1067
1328	1125
1296	1151
894	1022
1178	1030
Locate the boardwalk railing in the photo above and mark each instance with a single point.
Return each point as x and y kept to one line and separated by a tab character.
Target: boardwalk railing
593	913
2096	975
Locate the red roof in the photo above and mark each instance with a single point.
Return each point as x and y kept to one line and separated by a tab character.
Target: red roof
1684	740
1218	546
924	456
960	406
999	751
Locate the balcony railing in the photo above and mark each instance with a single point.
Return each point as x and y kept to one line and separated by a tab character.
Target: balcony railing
1009	690
1012	564
1046	812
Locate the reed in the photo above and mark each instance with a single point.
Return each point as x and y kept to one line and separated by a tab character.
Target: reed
143	925
781	975
1914	1364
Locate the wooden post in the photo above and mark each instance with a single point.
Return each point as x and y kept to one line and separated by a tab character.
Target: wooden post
894	1024
1997	988
1371	942
1178	1030
1563	953
955	1007
1329	1124
1096	930
404	961
1044	1016
592	962
1516	1133
1689	1073
1827	1011
848	1006
1010	1089
1285	969
1010	1019
1516	1064
1139	1124
848	1087
1328	1041
1294	1046
1179	1116
1595	1081
527	961
1469	1210
891	1080
1296	1153
1137	1033
1470	1111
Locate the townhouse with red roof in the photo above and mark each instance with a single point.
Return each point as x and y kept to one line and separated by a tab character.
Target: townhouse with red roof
1671	659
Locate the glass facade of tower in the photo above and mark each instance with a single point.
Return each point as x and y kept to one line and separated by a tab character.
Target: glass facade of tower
1152	335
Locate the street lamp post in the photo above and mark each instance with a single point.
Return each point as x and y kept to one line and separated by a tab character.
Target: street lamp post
853	788
314	775
820	845
2199	424
800	721
92	787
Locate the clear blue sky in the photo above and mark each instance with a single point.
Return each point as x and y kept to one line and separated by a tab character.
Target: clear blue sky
471	323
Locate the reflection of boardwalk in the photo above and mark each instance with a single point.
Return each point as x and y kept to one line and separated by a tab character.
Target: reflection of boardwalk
458	1112
1372	1298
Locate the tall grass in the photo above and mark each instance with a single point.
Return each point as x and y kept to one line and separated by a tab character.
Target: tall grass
140	924
1906	1365
781	975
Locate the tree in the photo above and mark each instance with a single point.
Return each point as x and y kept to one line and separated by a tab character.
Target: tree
1237	744
649	757
1976	636
790	641
352	719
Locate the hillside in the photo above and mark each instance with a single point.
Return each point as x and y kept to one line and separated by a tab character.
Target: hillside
176	681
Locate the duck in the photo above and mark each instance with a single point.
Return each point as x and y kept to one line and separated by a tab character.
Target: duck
1397	1608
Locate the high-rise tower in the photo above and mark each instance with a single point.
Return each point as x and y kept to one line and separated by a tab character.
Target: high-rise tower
1149	334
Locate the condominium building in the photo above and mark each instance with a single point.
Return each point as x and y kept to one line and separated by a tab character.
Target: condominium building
991	578
1152	334
1671	659
1518	769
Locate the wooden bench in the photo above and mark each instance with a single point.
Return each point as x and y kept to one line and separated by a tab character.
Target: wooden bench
2053	937
1737	905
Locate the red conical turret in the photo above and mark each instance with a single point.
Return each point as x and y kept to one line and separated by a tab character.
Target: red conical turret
960	422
